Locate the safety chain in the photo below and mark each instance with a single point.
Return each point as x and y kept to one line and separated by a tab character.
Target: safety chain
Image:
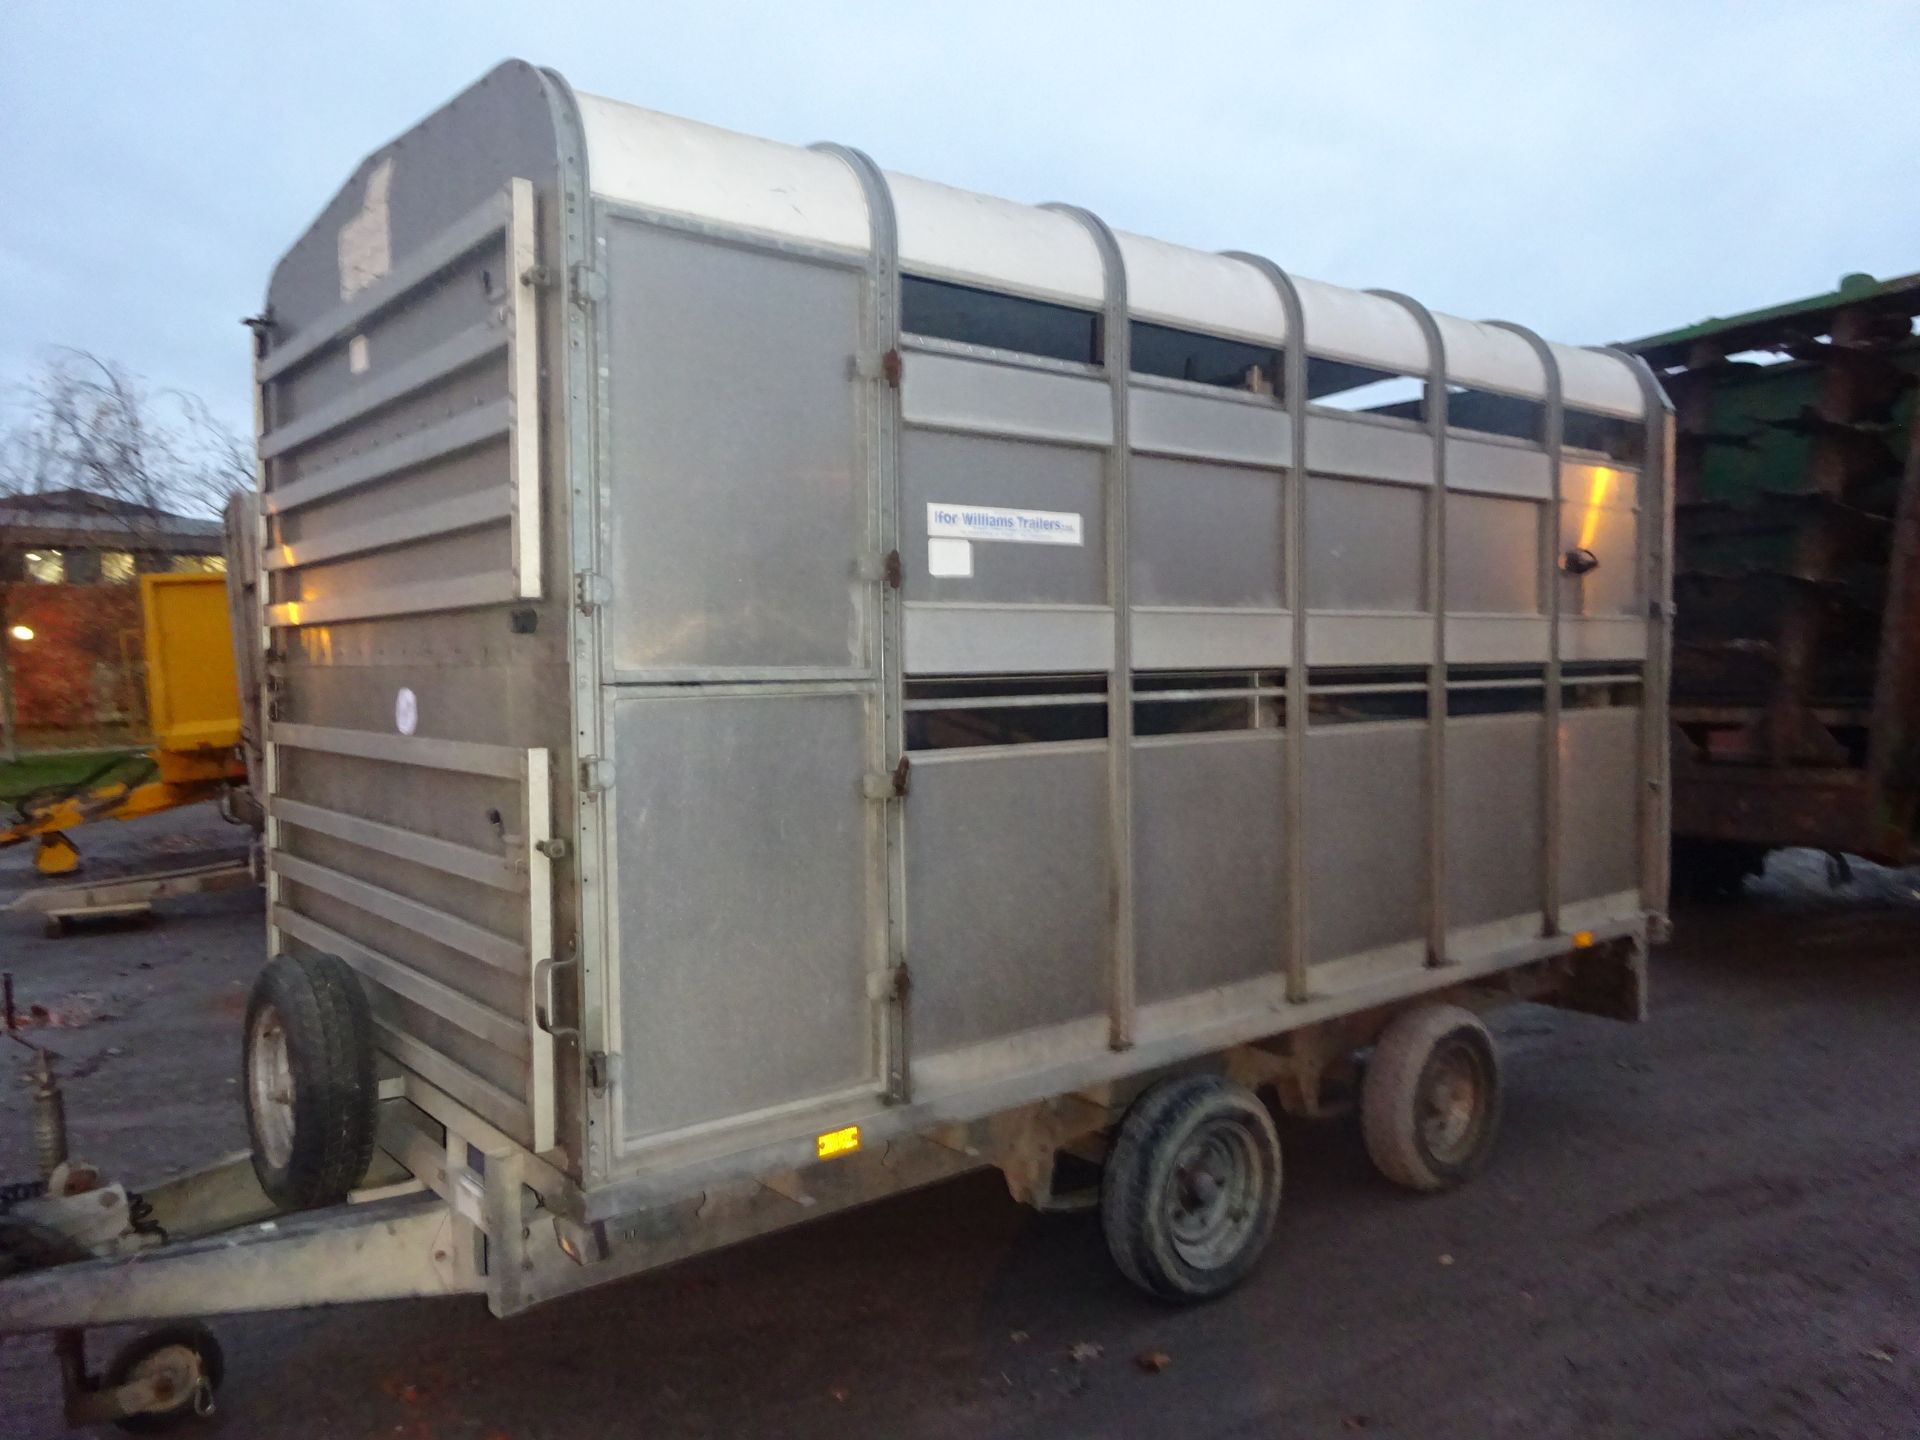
140	1217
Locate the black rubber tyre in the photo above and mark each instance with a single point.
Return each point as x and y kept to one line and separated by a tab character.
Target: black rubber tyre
1192	1187
1430	1104
307	1074
149	1348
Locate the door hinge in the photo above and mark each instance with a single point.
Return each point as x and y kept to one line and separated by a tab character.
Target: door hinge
867	365
591	590
589	286
880	569
892	984
599	1071
554	849
539	277
885	786
596	775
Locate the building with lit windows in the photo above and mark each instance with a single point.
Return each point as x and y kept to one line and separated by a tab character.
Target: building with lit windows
75	537
71	648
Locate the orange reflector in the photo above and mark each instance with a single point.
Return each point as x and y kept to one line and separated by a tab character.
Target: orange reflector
1582	939
838	1142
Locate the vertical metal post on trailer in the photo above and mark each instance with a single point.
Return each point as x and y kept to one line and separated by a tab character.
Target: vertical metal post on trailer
1654	554
1552	439
580	448
879	370
261	332
1116	355
1436	548
1294	561
523	390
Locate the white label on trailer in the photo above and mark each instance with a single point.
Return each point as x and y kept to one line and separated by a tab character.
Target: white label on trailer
950	558
406	711
988	522
366	240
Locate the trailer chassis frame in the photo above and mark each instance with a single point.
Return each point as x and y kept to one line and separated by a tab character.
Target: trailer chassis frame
448	1210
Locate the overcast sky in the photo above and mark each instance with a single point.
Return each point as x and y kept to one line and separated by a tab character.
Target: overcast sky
1596	170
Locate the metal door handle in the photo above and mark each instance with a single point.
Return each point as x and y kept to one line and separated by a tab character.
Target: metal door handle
543	997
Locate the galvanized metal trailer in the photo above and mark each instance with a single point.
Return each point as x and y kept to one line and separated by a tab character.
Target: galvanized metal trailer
785	682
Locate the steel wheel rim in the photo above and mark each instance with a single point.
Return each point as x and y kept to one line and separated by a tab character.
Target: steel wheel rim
1453	1103
1212	1200
174	1373
270	1087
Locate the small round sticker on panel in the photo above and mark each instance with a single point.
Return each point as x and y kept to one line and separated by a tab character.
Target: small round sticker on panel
406	711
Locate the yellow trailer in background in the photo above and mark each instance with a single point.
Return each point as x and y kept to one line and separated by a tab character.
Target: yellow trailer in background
193	700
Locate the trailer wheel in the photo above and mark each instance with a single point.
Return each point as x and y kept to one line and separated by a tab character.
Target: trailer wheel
1191	1189
1431	1100
185	1366
310	1088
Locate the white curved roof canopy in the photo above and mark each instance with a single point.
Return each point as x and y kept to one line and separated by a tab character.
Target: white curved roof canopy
703	173
1345	324
954	234
1196	290
1490	358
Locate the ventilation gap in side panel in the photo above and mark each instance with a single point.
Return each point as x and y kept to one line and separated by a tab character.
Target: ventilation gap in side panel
1205	359
1363	695
966	712
1496	690
1600	684
1361	389
1187	702
1622	441
1488	412
941	310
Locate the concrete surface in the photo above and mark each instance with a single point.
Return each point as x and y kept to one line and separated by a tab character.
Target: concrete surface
1703	1228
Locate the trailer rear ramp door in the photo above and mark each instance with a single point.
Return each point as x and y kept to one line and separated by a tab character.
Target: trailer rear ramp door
409	737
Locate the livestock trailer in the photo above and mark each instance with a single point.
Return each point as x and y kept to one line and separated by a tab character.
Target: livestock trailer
1796	680
784	682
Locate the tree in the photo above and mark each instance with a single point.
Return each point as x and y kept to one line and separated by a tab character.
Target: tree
83	423
89	424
